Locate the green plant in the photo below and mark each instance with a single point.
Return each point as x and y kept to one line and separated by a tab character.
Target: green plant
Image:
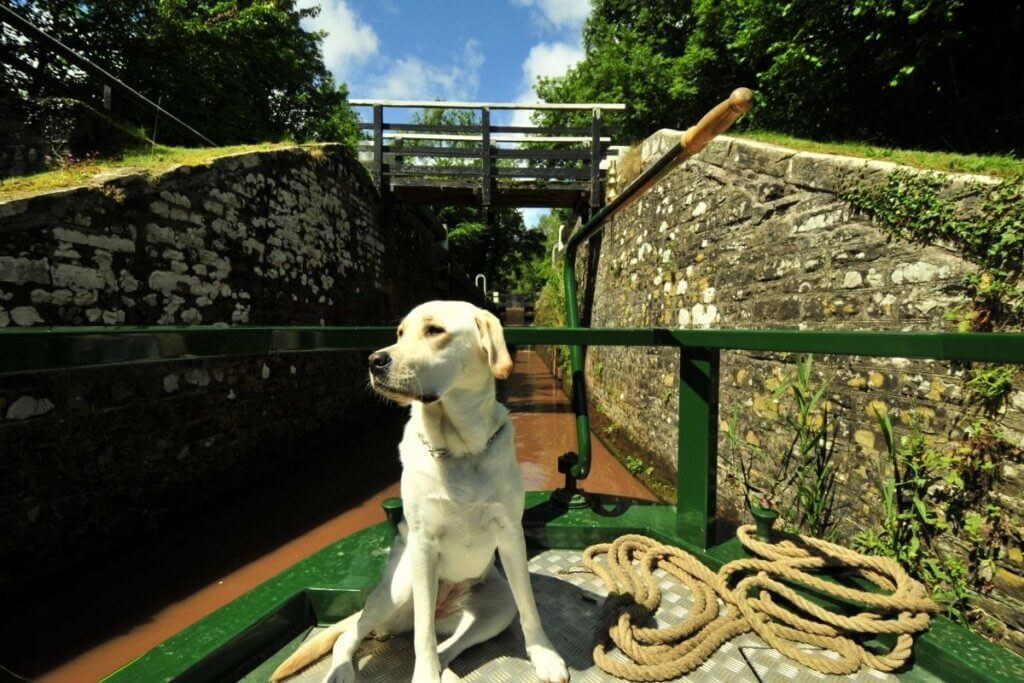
909	523
912	520
754	495
994	299
988	526
550	312
815	434
992	385
908	205
90	170
805	463
634	464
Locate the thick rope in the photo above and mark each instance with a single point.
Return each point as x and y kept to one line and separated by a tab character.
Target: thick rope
758	597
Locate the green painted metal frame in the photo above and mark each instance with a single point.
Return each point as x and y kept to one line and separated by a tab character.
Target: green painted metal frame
48	349
334	581
250	636
661	166
697	447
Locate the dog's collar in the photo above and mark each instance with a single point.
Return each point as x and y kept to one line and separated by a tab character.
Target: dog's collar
442	453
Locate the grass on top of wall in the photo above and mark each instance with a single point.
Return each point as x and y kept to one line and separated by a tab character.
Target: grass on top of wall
151	161
1002	166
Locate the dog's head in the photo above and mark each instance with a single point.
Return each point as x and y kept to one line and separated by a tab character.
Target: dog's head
441	345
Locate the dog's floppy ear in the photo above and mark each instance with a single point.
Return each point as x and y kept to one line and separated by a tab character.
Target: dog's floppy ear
493	343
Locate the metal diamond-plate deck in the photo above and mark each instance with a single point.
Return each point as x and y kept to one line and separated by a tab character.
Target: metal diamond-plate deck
570	606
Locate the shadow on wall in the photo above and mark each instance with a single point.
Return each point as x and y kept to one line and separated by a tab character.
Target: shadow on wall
293	236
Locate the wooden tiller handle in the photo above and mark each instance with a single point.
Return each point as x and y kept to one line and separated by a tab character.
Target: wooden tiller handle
717	121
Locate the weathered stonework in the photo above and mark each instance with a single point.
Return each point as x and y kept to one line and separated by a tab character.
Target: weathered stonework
750	235
293	236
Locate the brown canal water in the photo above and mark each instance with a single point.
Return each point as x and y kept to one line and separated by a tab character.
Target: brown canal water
88	625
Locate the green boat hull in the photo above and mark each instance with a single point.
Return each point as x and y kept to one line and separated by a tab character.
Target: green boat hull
247	638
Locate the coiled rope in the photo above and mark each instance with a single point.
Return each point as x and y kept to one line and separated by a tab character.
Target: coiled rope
751	589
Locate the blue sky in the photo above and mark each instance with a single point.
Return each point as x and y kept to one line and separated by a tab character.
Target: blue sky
486	50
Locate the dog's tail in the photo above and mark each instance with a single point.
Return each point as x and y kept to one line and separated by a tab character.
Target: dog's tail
314	648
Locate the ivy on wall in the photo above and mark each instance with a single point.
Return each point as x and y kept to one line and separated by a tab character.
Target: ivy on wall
990	232
930	492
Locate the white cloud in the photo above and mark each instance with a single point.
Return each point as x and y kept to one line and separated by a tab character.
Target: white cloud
349	42
549	60
558	13
411	78
352	53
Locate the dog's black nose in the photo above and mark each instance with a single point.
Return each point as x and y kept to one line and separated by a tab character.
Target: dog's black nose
379	361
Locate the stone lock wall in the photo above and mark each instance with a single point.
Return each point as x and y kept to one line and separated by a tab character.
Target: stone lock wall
293	236
749	235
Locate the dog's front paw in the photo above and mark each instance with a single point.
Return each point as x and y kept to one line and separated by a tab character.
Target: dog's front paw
449	676
343	673
549	665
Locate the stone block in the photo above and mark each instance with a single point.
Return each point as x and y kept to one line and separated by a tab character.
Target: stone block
159	234
919	272
1009	582
77	278
168	282
108	242
758	157
14	207
25	316
20	270
27	407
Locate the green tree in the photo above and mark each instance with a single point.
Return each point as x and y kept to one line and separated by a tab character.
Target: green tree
541	270
236	70
503	249
914	73
496	243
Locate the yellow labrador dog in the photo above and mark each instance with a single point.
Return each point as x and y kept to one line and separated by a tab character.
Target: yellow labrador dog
462	498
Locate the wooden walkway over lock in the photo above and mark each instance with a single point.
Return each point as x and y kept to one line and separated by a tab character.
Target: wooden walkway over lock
485	164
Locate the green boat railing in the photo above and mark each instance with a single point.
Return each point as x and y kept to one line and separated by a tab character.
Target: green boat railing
718	120
47	349
321	589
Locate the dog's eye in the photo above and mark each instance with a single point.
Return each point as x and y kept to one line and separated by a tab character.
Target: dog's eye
433	331
400	330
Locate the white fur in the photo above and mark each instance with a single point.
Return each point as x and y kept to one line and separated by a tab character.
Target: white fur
458	509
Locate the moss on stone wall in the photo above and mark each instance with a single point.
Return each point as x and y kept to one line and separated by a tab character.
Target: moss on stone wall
985	224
